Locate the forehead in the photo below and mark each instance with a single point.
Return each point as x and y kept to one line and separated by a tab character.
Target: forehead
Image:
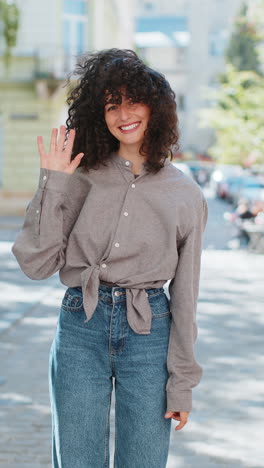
115	96
123	93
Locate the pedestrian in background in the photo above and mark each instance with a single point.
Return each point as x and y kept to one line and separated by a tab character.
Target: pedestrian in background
117	220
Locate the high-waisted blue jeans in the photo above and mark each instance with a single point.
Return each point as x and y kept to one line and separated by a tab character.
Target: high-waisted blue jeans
84	358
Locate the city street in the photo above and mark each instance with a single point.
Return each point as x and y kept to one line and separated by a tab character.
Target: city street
225	427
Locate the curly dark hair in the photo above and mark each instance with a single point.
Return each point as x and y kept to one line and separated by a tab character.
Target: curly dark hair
108	72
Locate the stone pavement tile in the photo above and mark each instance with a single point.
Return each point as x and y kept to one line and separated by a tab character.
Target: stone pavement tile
25	434
20	293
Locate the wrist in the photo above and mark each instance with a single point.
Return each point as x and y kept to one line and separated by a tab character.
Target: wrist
53	180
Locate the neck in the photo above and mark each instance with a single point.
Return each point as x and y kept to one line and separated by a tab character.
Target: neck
131	152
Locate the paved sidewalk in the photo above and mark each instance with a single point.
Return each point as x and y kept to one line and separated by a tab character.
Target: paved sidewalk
225	428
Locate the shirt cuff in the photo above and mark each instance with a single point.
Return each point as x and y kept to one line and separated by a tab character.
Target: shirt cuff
179	401
53	180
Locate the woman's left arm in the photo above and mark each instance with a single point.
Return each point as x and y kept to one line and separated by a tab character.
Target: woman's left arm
184	371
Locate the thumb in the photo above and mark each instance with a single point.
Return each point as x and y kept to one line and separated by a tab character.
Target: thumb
168	414
75	163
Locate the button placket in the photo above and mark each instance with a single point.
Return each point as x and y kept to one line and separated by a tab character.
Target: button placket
120	228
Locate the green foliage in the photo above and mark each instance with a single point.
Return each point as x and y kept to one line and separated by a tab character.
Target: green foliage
237	117
237	113
9	16
242	49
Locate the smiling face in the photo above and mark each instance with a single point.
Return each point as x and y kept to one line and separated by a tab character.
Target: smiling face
127	121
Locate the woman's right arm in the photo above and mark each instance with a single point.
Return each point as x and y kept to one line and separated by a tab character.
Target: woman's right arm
51	214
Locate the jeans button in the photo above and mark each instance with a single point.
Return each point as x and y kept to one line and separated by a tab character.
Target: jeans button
118	293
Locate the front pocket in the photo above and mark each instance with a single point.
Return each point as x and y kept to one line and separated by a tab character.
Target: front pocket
160	305
72	300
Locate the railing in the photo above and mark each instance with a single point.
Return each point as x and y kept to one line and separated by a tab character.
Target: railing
38	64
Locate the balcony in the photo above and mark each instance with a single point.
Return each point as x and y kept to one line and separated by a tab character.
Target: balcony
32	65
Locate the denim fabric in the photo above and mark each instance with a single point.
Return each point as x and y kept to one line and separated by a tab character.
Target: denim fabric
84	358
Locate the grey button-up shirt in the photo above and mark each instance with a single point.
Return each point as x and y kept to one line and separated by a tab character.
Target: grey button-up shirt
107	225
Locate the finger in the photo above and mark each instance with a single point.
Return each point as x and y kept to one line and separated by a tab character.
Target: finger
53	141
41	146
75	163
70	141
61	140
173	415
181	425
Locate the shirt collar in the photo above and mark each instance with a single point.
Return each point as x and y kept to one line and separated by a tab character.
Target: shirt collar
126	163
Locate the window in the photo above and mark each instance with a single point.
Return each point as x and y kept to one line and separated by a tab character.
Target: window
75	7
149	6
74	31
217	42
181	102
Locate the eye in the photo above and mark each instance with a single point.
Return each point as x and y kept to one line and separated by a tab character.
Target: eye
111	108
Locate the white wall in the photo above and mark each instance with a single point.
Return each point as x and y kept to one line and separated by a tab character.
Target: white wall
112	24
41	25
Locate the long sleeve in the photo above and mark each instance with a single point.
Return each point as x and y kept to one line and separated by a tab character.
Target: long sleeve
40	245
184	371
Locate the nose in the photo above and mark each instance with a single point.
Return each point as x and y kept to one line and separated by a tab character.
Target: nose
123	112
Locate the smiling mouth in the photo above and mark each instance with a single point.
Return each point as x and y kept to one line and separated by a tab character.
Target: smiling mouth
129	128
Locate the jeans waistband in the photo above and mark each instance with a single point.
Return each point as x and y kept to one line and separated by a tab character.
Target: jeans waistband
108	289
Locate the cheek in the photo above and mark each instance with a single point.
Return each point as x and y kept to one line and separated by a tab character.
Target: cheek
108	121
146	119
146	114
110	125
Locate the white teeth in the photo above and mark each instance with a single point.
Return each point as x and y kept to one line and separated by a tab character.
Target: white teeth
129	127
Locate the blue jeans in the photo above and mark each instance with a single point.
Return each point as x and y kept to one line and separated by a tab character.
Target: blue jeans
84	358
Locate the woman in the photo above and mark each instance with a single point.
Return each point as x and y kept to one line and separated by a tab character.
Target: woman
117	220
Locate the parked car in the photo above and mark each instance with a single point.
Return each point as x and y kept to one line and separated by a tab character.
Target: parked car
249	188
201	171
253	193
220	175
223	187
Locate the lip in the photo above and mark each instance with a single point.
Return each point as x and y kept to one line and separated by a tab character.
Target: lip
132	129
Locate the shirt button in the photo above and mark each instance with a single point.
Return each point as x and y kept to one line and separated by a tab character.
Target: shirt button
133	185
103	265
37	211
116	244
126	213
127	163
44	177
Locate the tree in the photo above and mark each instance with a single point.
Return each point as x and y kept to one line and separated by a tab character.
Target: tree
242	49
256	15
9	16
237	118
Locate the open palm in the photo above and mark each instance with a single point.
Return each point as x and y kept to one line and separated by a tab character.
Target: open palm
59	156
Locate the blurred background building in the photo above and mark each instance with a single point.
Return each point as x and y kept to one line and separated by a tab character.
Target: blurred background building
184	39
51	35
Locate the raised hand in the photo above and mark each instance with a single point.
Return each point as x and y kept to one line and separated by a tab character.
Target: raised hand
59	156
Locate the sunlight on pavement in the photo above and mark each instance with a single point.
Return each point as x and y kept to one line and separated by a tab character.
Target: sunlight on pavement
40	321
14	398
